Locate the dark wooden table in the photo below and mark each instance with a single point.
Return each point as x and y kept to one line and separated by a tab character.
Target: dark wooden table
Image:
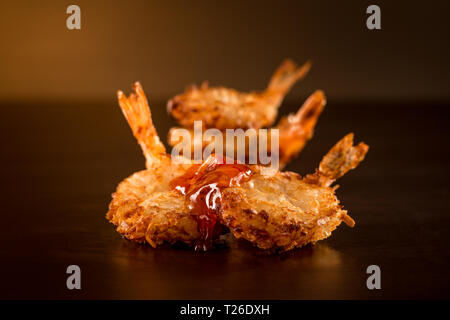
61	161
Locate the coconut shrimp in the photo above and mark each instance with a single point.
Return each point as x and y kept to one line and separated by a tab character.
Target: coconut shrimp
221	108
194	204
295	130
287	211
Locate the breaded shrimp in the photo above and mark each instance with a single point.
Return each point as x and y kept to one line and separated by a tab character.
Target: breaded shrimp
294	131
184	202
285	211
143	207
222	108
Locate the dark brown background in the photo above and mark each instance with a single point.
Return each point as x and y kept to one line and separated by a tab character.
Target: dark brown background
168	44
66	145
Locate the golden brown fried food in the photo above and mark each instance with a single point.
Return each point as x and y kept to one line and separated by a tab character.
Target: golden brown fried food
180	202
294	131
222	108
285	211
143	207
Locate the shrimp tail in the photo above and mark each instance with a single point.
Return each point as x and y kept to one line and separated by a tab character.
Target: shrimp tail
287	74
296	129
136	110
342	158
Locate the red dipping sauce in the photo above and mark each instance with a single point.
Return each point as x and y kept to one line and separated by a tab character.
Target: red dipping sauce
202	186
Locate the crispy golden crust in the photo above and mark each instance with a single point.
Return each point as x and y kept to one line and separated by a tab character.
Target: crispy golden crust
222	108
284	211
298	215
295	130
272	210
145	209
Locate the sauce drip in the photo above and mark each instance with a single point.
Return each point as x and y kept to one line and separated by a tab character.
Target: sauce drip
202	186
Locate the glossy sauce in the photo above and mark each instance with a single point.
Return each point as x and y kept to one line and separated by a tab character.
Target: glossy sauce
202	186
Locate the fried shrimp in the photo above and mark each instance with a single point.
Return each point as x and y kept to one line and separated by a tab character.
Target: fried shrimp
143	207
195	203
295	130
221	108
285	211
